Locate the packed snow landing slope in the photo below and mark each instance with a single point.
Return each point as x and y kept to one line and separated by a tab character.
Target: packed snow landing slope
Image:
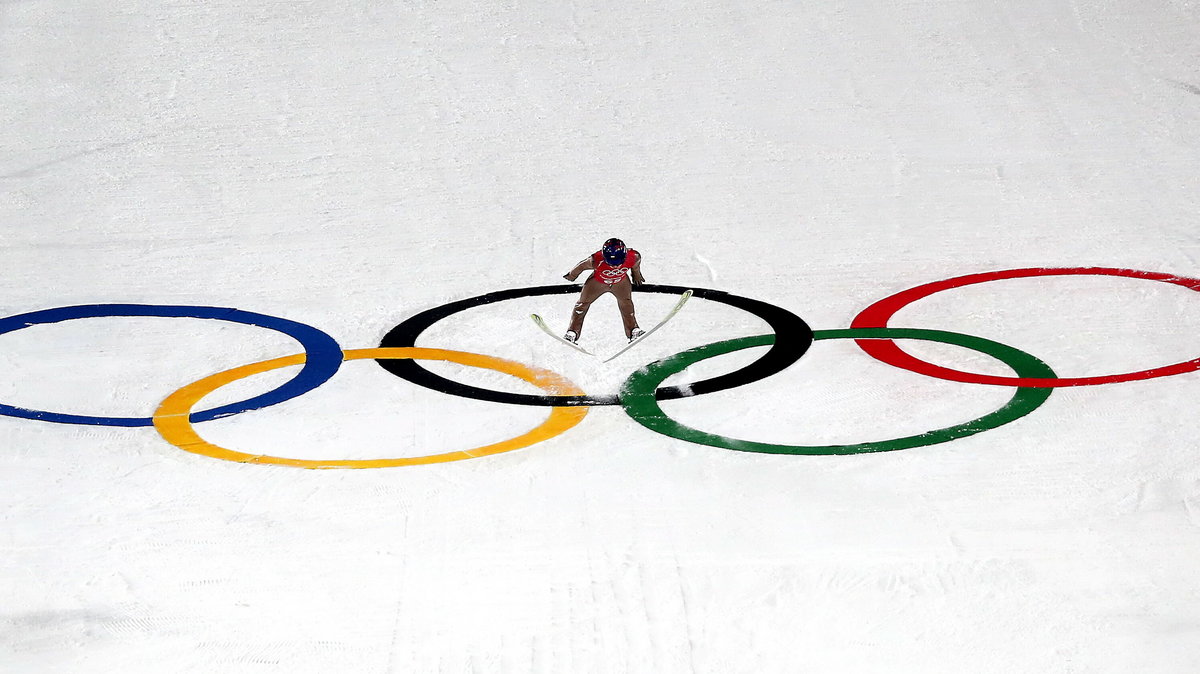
349	165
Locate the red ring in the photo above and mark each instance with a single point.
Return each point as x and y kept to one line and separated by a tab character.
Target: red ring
878	314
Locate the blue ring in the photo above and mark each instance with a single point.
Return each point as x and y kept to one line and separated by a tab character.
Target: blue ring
323	356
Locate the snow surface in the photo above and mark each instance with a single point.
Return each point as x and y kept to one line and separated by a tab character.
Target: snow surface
348	164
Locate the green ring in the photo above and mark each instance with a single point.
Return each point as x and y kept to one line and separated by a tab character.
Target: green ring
637	393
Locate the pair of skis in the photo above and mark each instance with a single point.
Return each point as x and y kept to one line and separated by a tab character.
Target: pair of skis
671	314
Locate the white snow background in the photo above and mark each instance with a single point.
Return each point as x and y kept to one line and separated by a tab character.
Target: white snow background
351	163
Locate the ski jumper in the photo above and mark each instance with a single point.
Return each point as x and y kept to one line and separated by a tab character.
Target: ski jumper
607	278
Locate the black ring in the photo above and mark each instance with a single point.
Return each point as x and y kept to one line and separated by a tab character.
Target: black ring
793	337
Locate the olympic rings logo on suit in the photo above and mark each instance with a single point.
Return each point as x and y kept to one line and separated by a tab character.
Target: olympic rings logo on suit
641	393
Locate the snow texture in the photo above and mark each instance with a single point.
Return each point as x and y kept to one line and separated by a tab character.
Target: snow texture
349	164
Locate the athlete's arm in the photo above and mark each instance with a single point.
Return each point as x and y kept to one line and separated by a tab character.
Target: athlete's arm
637	271
583	266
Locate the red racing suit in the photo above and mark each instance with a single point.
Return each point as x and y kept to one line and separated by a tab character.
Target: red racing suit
609	274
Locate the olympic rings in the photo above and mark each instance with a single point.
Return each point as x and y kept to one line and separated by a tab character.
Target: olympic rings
172	422
324	356
878	314
642	407
793	337
640	395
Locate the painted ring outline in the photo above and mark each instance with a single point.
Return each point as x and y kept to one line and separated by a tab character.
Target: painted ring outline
878	314
325	356
171	418
645	410
795	337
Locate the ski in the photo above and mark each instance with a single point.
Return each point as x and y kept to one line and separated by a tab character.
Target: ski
671	314
541	323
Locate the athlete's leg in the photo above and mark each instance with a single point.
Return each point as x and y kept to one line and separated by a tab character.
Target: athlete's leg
592	290
623	291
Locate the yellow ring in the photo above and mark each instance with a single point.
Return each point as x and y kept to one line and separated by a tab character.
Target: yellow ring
171	418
